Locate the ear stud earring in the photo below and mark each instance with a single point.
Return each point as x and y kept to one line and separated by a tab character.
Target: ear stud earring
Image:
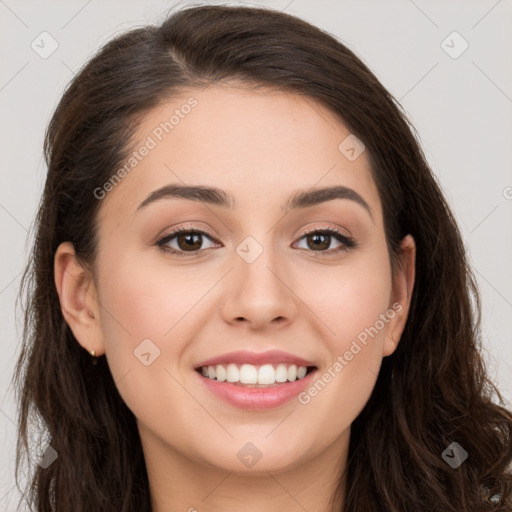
94	358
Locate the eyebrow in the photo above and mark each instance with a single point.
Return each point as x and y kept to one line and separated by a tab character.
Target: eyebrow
218	197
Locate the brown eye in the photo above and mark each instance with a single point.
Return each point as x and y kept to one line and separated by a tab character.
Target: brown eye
320	240
184	241
189	241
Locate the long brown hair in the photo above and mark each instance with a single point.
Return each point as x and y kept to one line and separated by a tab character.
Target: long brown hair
431	392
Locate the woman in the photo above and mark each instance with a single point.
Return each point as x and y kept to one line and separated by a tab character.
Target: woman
247	288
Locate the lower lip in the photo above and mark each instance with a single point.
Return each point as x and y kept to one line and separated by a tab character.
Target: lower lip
246	397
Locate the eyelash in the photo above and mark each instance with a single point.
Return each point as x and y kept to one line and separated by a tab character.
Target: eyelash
347	242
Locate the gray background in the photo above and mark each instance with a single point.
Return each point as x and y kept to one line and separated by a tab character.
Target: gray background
461	108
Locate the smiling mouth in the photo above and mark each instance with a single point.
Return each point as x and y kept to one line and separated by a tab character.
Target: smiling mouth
249	375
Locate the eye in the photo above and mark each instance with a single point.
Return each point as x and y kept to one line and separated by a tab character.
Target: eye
187	240
318	240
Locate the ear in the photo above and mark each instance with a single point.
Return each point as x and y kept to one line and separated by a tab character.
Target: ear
78	299
403	284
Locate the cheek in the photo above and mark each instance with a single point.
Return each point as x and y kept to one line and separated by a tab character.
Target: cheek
145	313
350	300
346	381
354	312
146	301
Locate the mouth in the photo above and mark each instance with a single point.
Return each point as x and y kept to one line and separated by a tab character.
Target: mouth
251	387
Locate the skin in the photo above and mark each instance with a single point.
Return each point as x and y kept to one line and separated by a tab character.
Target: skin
260	147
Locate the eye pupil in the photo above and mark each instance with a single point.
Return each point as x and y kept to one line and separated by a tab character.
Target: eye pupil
192	241
318	238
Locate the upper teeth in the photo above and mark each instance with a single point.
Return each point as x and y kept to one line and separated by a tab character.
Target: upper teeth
250	374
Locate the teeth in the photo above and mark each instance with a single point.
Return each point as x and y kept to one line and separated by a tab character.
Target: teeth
292	373
232	373
249	374
281	373
265	375
220	373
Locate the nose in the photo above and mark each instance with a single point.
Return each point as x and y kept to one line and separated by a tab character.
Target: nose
260	293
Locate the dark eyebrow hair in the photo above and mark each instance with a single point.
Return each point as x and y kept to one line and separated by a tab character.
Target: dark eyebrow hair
218	197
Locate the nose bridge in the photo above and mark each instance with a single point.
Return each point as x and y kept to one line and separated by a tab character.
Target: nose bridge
259	292
257	264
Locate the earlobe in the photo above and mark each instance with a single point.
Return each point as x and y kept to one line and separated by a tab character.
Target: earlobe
390	344
78	298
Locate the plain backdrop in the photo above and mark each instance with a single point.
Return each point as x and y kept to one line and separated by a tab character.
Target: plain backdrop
459	101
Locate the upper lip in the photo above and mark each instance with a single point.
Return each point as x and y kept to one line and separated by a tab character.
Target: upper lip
256	358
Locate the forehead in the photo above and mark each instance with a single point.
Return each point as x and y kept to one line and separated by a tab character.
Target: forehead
259	146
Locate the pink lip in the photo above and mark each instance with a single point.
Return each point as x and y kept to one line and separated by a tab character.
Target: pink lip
245	397
256	358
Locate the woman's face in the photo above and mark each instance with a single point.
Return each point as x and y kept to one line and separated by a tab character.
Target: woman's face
256	281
